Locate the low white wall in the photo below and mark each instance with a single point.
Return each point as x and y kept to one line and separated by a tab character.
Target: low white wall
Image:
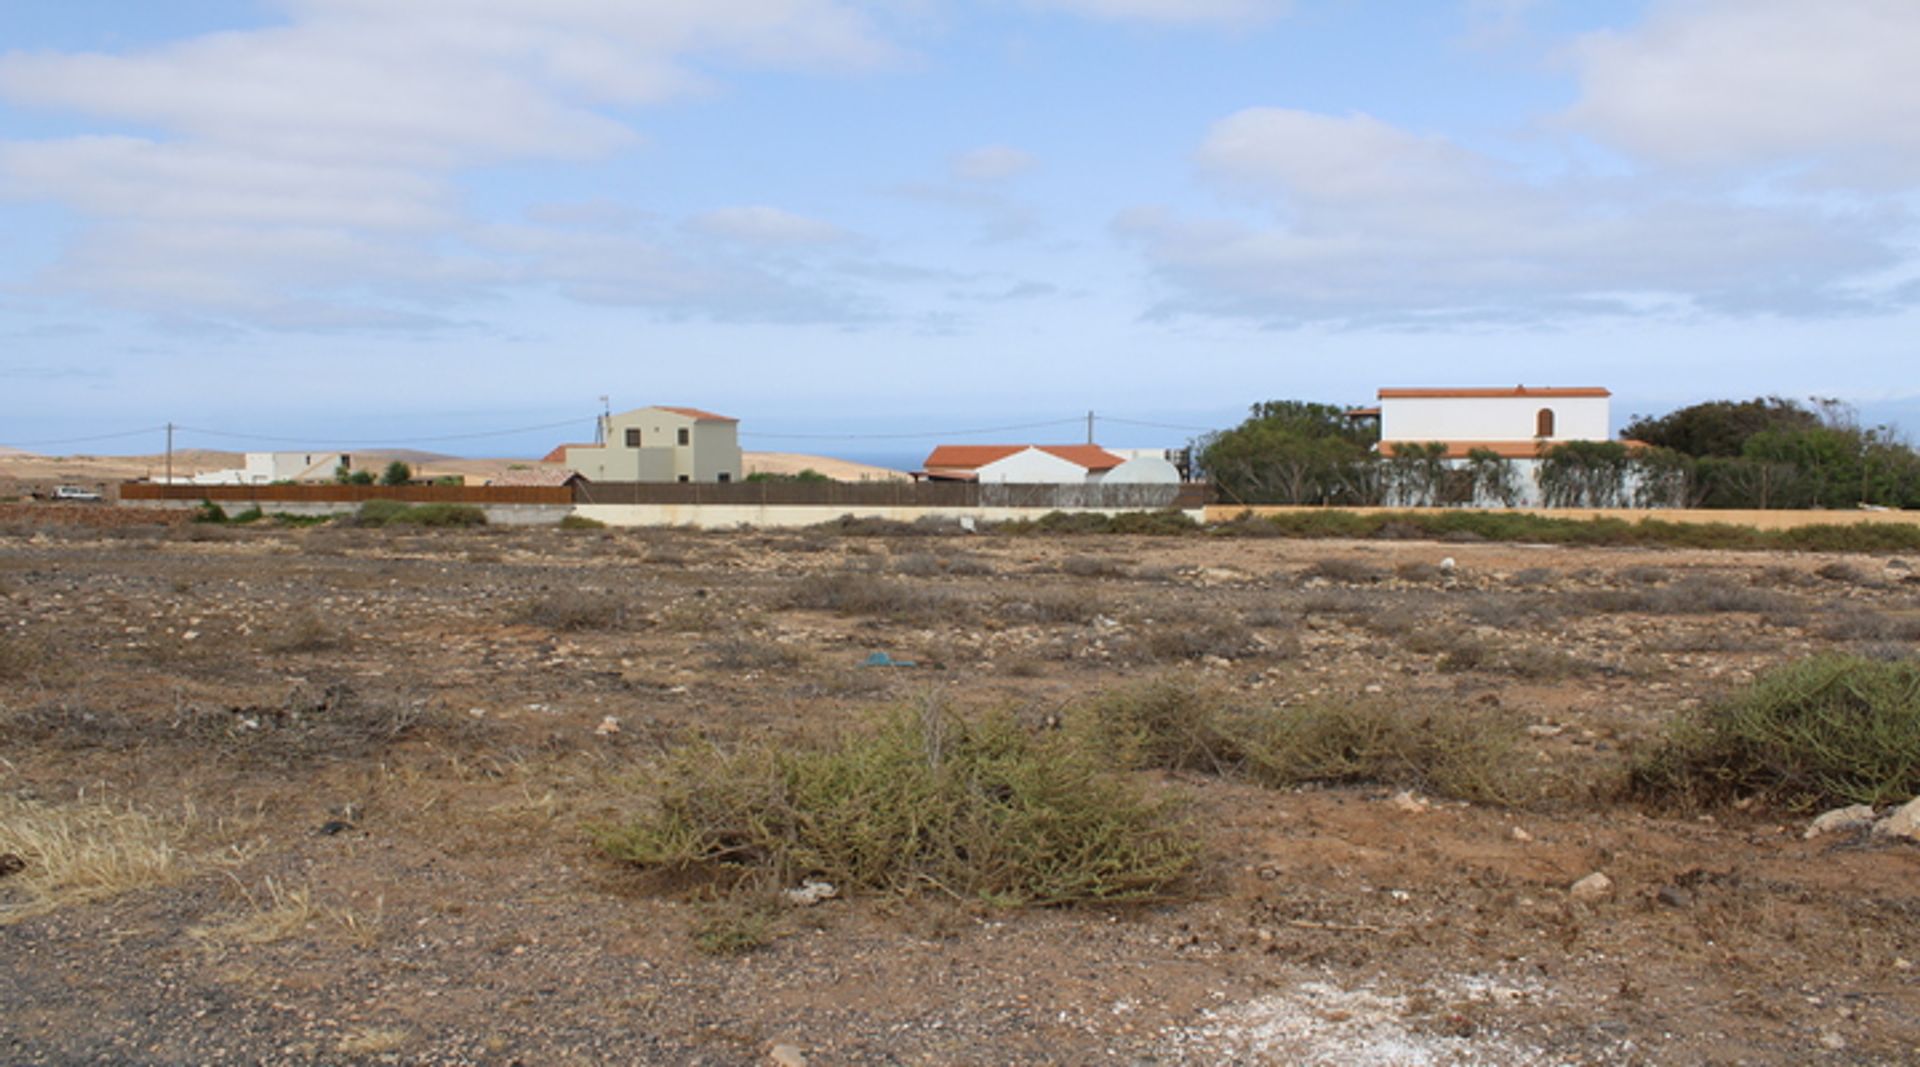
721	516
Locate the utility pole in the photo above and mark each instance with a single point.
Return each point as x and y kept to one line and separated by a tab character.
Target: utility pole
1089	427
606	416
169	453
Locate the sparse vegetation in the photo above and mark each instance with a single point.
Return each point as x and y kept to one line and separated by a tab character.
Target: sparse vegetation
73	853
856	593
1819	732
922	800
577	609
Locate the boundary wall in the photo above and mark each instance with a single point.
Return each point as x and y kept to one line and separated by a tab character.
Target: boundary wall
725	516
1763	520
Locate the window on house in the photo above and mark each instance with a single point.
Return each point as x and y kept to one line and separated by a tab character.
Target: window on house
685	436
633	438
724	476
683	477
1543	423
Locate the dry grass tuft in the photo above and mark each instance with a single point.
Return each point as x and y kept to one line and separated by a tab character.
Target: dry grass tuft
74	853
278	913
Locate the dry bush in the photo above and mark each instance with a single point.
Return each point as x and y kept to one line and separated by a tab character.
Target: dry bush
1841	571
1051	606
742	652
69	854
1544	664
1222	637
980	809
276	913
1272	618
31	658
1505	611
1645	575
1529	577
931	565
1175	724
1816	733
1340	602
1689	596
576	609
304	631
1419	572
1346	572
1092	567
1853	623
850	592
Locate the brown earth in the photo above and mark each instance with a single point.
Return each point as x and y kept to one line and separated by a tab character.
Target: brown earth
377	760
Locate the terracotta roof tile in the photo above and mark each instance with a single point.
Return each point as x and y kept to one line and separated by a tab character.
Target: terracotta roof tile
696	414
1476	393
973	457
535	476
559	453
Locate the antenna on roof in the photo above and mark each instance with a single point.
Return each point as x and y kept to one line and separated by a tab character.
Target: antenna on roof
606	416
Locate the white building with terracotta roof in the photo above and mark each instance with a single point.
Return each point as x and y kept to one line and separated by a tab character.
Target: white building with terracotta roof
659	444
1516	423
1045	465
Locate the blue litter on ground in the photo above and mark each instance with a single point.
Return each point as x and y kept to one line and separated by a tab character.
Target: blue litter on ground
881	659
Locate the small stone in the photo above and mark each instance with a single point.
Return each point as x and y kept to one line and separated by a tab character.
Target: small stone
1408	801
1447	565
1903	822
1840	820
811	892
1544	729
11	864
1520	835
1674	897
1595	886
1832	1041
1373	687
784	1055
608	726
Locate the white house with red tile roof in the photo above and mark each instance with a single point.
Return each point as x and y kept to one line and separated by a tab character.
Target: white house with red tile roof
1043	465
1517	424
1514	422
659	444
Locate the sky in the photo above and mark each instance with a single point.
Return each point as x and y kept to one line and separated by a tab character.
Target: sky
865	227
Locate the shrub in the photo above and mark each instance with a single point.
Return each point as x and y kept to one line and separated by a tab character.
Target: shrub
855	593
394	512
575	610
581	522
979	808
1448	751
1346	571
1815	733
397	473
208	511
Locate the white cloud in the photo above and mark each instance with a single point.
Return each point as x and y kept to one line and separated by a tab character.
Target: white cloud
1372	223
310	163
1173	11
1760	81
766	225
992	163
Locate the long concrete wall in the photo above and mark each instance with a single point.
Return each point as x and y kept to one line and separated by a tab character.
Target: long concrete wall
725	516
1764	520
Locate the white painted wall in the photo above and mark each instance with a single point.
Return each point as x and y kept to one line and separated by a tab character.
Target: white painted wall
1031	466
1504	418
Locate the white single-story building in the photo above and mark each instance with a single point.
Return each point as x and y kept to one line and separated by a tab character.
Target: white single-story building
266	468
659	444
1046	465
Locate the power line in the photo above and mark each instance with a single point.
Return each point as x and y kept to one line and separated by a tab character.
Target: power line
911	436
84	440
383	440
1158	425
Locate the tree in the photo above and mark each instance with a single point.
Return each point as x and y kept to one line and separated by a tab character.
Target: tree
1493	478
1292	452
1416	473
1720	427
398	473
1584	474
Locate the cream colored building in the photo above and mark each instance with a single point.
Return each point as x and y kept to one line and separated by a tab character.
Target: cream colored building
661	444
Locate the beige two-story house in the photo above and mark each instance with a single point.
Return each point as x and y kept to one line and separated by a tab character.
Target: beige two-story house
661	444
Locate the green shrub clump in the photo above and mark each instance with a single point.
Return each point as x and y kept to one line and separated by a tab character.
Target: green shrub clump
1817	733
1448	751
981	809
394	512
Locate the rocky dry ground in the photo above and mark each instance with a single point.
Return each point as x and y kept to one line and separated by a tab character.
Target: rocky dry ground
339	784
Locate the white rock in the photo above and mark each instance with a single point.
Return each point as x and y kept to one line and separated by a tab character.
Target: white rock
1447	565
608	726
1521	835
1840	820
1408	801
786	1056
1904	821
1595	886
811	892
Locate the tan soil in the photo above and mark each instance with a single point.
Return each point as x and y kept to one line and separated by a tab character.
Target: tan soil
466	919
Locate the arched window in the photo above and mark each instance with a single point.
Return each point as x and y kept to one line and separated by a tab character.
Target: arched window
1543	423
